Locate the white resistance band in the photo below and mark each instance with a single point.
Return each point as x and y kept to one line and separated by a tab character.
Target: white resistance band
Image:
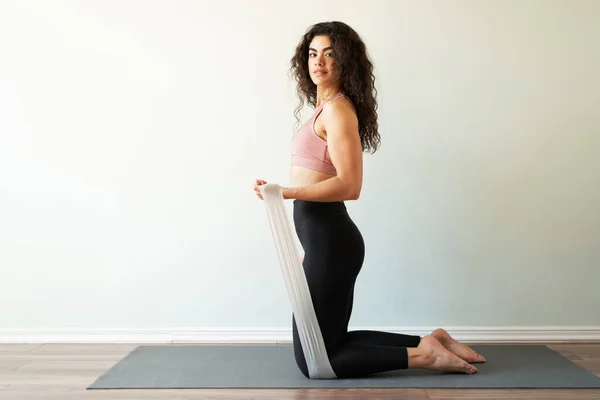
309	331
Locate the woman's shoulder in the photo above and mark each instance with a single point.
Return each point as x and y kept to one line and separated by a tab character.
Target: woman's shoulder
340	107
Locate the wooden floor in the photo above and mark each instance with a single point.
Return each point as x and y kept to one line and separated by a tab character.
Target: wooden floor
63	371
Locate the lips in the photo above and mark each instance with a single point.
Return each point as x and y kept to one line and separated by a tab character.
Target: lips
319	72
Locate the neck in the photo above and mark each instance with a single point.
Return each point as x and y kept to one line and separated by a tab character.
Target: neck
324	93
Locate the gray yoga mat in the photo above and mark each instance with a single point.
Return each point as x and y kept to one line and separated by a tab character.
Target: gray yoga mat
508	366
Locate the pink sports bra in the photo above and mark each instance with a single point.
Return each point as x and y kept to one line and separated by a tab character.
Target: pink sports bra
309	150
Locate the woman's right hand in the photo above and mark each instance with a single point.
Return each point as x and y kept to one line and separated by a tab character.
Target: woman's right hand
255	187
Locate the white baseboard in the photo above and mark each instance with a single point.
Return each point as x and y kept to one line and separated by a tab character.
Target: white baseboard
509	334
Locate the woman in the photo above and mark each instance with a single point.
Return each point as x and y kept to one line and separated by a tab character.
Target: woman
335	75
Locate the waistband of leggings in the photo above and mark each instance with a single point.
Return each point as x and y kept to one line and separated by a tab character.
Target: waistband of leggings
306	207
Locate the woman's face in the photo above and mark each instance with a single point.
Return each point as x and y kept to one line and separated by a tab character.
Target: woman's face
321	61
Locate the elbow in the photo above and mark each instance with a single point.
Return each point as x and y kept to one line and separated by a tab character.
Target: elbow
351	188
354	193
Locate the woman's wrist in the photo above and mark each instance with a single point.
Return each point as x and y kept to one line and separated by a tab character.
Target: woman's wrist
287	193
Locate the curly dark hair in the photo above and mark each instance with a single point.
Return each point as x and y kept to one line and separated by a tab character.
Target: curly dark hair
355	70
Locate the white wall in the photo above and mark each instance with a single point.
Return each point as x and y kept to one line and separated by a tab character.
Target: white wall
130	133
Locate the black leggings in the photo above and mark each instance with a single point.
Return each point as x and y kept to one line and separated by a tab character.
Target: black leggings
334	251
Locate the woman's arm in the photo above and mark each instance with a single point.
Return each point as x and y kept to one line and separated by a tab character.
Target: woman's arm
345	150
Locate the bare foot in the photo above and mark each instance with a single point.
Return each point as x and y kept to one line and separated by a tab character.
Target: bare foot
433	355
461	350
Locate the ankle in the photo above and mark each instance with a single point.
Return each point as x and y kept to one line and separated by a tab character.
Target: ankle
417	358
